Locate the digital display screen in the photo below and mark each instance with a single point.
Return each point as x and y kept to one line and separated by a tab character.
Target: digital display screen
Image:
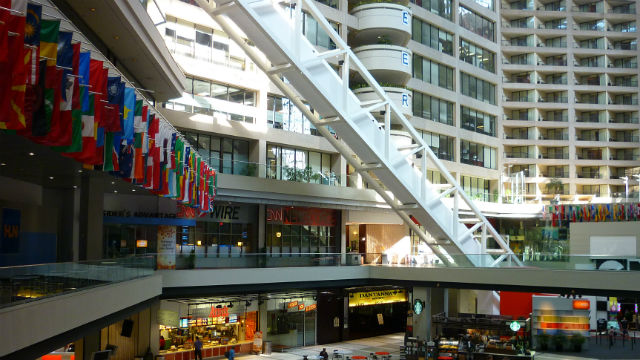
233	318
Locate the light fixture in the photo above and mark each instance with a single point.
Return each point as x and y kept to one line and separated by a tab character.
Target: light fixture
247	303
239	243
116	37
230	305
3	164
199	242
92	9
75	186
80	171
115	191
113	183
51	178
278	234
32	154
134	190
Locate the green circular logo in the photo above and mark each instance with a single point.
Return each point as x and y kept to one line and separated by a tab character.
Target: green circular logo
418	306
514	325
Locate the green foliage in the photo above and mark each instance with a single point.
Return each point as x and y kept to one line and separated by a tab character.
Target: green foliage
558	341
554	186
543	340
576	341
302	175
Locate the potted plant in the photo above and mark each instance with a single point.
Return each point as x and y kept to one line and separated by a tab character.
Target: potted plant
556	187
576	342
543	341
558	341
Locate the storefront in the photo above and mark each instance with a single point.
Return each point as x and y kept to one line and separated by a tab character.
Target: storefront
291	319
294	230
376	311
220	325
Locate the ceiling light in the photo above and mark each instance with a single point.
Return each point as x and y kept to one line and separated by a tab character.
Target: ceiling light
31	154
134	190
115	191
116	37
3	164
50	177
75	186
113	183
80	170
93	9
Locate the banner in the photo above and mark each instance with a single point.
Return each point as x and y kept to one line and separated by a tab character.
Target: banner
166	247
10	236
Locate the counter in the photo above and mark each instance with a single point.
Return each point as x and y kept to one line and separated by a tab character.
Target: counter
241	347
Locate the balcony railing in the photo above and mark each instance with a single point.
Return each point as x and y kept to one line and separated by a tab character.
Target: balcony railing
588	157
554	156
562	44
625	82
518	155
628	157
624	102
554	137
517	137
633	120
625	138
588	138
590	175
623	10
588	119
624	46
560	174
520	99
554	99
563	118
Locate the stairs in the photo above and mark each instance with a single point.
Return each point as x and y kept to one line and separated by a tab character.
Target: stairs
393	170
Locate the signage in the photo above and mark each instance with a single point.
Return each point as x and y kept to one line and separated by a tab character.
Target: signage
10	236
141	243
405	17
166	247
301	306
418	306
405	58
292	304
287	215
311	307
377	297
219	312
138	214
613	304
581	304
380	319
336	322
233	318
184	322
514	325
405	100
222	212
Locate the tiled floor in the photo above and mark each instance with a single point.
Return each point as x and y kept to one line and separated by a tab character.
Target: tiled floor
392	343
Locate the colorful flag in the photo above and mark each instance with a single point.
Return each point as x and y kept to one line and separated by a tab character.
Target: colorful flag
84	74
49	30
32	26
127	112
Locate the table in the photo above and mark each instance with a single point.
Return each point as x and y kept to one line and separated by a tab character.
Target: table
338	354
359	357
384	355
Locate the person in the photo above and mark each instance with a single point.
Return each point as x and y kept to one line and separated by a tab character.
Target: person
198	348
162	342
230	354
324	354
611	335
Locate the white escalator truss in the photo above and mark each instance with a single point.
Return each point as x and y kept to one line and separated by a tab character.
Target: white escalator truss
371	150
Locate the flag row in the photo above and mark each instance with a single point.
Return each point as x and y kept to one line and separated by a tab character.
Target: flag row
54	94
591	213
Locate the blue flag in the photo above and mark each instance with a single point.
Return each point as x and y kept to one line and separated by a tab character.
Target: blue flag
128	111
64	59
115	92
83	73
32	26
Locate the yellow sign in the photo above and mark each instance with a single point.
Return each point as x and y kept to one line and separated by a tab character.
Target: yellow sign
377	297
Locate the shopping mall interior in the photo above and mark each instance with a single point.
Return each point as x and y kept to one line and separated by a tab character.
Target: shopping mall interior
386	179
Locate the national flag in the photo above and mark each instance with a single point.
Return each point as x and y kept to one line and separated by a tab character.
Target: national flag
65	61
46	108
127	112
5	15
32	26
16	69
73	108
88	134
140	133
49	30
84	74
62	122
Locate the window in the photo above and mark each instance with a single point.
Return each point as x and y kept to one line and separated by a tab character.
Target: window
477	154
432	36
477	121
432	72
299	165
477	24
438	7
432	108
225	155
315	34
283	114
441	145
477	89
477	56
476	188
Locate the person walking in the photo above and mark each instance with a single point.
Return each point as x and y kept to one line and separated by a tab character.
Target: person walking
324	354
198	348
611	335
230	354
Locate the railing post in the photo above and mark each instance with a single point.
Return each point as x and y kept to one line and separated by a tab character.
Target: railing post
387	131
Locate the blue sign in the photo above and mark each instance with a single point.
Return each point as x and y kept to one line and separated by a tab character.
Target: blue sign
10	236
405	58
405	100
405	17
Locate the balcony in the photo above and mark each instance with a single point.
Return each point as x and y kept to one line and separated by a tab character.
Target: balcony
624	82
560	99
557	174
590	175
519	99
518	155
623	102
562	156
554	137
553	63
382	20
625	157
625	9
589	8
554	6
562	118
625	138
624	46
588	156
588	119
399	95
588	138
624	120
517	137
387	63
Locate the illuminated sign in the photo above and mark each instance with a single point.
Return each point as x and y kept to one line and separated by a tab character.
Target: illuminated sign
292	304
418	306
514	325
301	306
141	243
233	318
581	304
301	216
377	297
311	307
219	312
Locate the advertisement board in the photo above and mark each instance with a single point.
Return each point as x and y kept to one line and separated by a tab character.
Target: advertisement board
166	247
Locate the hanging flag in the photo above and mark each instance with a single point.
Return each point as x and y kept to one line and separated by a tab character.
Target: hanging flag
4	36
127	112
140	129
49	30
76	106
32	26
14	81
84	74
44	100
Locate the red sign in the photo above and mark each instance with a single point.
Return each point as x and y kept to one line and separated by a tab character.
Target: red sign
311	307
219	312
301	216
292	304
301	306
581	304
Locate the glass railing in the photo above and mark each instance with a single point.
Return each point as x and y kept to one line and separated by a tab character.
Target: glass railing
518	155
553	156
626	138
19	284
554	137
278	172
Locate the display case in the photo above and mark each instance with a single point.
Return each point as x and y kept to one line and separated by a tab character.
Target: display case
448	349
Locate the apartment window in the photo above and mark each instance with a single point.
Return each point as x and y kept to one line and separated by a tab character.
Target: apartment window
315	34
283	114
441	8
595	25
432	36
625	27
485	3
477	89
441	145
432	108
477	56
560	24
432	72
225	155
299	165
476	188
477	121
478	155
557	42
477	24
331	3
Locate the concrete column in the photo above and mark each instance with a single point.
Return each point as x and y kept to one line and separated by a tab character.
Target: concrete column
262	243
344	235
445	302
153	328
91	213
422	322
262	321
261	158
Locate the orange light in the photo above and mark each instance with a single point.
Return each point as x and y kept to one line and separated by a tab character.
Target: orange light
292	304
581	304
141	243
